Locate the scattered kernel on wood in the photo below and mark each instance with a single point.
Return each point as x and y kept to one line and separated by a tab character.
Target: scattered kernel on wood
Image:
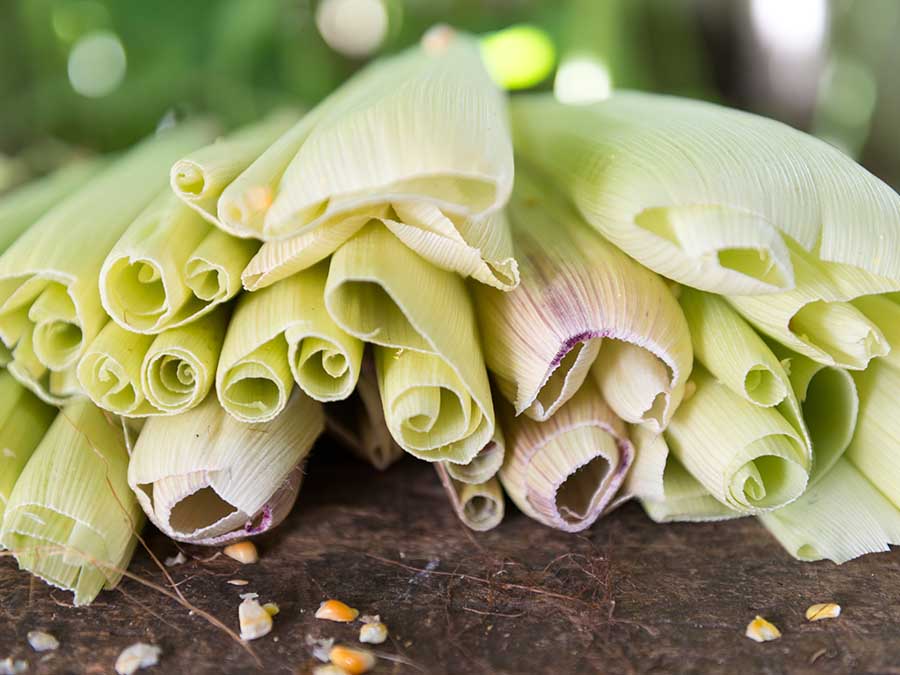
373	632
335	610
174	560
329	669
41	641
10	667
254	620
355	661
244	552
137	656
761	630
272	608
823	610
237	582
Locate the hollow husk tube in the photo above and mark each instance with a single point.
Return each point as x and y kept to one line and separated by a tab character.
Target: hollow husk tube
50	307
203	477
433	384
708	196
281	335
581	302
565	472
71	518
480	506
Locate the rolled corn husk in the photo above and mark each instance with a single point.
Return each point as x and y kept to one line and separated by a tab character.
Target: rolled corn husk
566	471
358	421
485	464
884	312
24	419
199	178
441	162
23	206
816	317
431	376
71	518
170	268
281	335
50	307
581	302
204	478
480	506
709	196
138	375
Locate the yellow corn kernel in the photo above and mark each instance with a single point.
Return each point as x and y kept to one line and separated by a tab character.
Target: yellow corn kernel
272	608
335	610
254	620
823	610
761	630
373	632
354	661
244	552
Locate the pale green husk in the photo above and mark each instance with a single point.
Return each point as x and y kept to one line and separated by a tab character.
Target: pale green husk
578	303
431	375
281	335
50	307
709	196
480	506
72	519
205	478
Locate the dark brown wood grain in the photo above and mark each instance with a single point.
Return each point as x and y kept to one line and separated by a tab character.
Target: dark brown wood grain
626	596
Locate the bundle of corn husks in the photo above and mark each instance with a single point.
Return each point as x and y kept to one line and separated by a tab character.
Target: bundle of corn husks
645	297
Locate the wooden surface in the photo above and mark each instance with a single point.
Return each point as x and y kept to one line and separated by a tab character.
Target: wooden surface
627	596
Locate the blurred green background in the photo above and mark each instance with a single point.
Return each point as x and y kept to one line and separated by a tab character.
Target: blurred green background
95	75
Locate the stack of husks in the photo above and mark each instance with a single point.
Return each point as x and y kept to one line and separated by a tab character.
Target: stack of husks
672	301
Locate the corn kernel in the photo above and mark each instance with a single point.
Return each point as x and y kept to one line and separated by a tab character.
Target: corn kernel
335	610
329	669
136	657
823	610
761	630
272	608
373	632
354	661
244	552
41	641
254	620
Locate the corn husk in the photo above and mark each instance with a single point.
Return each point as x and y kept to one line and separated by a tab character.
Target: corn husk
170	268
22	207
578	304
480	506
24	419
816	318
708	196
71	519
873	449
884	312
200	178
485	464
358	421
566	471
749	458
50	306
281	335
441	158
434	388
204	478
138	375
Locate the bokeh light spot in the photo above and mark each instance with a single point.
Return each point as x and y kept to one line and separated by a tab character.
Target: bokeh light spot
518	57
97	64
355	28
582	80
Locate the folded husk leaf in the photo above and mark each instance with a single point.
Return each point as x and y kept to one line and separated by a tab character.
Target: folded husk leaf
200	178
170	268
358	421
204	478
748	457
431	375
707	196
580	300
50	307
816	318
884	312
71	519
22	207
281	335
479	506
24	419
485	464
565	472
139	375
